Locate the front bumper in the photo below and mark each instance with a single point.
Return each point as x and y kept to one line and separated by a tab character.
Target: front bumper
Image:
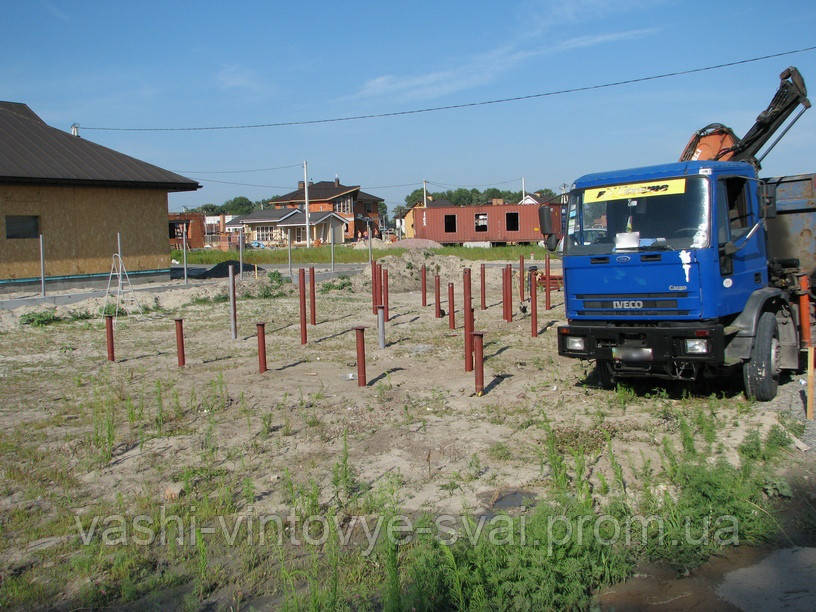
673	350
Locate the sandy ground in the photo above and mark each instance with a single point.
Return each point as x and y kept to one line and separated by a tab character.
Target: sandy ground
416	427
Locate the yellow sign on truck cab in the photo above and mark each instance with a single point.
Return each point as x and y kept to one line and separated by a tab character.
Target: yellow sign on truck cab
635	190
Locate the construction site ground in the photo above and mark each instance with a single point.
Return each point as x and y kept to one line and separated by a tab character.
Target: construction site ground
82	436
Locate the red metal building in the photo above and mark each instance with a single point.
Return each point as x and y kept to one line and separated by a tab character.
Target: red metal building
507	223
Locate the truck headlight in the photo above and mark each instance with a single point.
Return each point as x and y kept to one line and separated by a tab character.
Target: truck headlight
575	343
696	346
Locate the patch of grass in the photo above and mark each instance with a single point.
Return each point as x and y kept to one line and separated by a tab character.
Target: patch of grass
499	451
341	283
40	318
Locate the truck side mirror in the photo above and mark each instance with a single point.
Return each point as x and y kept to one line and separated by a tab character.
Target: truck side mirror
767	201
545	219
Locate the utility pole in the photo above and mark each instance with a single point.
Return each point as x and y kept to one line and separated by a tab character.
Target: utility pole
425	193
306	200
523	189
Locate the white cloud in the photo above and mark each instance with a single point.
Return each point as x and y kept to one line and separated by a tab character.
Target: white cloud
482	68
234	76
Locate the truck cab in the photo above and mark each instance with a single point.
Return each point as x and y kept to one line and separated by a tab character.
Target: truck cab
666	274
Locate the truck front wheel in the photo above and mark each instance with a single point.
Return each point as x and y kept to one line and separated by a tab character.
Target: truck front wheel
761	373
603	374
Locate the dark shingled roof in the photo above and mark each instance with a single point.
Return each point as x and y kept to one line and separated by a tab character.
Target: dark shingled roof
324	191
299	218
271	215
33	152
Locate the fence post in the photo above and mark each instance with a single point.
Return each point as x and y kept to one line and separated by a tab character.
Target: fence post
180	342
109	336
233	310
302	287
478	350
261	347
361	366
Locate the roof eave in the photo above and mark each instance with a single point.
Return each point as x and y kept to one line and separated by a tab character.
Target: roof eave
165	186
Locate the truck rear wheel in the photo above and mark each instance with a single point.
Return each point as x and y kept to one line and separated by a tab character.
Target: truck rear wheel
761	373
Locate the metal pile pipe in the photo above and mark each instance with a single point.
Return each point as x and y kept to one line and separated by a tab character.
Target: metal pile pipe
302	287
180	342
109	336
312	298
361	366
468	312
478	350
424	286
261	347
533	304
437	297
385	294
381	325
548	281
483	301
451	316
233	307
522	276
373	287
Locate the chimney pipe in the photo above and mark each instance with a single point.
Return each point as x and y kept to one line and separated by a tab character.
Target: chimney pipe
301	185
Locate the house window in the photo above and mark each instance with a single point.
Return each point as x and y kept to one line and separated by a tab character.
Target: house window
177	230
450	224
265	233
22	226
512	221
481	222
300	234
344	205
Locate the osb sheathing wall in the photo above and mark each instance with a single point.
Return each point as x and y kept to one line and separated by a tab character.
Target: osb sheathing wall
79	226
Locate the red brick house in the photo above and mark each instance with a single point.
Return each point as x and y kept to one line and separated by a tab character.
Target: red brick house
349	202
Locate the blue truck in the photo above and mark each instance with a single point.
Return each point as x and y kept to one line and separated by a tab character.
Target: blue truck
694	268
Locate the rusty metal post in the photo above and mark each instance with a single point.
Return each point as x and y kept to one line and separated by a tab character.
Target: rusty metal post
451	316
261	347
504	293
478	358
533	303
180	342
385	294
522	276
109	336
312	298
302	287
424	281
361	370
437	297
804	310
233	306
548	281
509	269
468	312
484	302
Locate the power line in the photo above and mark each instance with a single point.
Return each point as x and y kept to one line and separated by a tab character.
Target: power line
458	106
299	165
209	180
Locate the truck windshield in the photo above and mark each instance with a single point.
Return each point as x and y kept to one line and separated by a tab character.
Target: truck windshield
671	214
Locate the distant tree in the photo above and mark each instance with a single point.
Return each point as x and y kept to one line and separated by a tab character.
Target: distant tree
414	197
382	209
399	211
208	209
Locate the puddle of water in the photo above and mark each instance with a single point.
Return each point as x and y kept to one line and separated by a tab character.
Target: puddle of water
514	499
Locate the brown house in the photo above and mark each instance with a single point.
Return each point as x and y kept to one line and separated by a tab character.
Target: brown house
493	223
193	223
347	201
77	195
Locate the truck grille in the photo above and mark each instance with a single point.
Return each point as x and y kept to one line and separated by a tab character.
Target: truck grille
639	304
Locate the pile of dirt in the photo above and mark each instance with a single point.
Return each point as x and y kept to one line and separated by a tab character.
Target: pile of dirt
404	272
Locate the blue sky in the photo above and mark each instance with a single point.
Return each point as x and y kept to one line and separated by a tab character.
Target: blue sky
181	64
